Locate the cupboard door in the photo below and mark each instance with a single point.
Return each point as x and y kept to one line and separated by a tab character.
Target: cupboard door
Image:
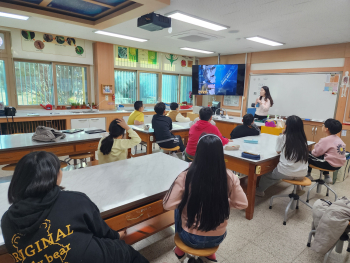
80	123
346	140
309	132
318	134
98	123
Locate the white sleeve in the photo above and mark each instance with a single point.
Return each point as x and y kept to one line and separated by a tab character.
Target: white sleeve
280	143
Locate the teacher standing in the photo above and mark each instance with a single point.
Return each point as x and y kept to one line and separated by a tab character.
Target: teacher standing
263	103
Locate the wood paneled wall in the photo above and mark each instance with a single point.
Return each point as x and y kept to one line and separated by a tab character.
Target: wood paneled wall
104	73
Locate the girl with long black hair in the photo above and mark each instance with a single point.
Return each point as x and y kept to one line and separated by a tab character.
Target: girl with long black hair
293	165
46	224
263	103
114	147
202	197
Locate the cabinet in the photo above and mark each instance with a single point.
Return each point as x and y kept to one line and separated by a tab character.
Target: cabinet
314	132
98	123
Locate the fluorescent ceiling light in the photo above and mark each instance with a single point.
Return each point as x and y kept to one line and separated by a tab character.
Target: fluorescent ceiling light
197	50
120	36
196	21
265	41
14	16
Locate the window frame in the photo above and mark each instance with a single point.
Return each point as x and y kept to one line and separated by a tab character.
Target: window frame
159	92
54	81
137	84
184	75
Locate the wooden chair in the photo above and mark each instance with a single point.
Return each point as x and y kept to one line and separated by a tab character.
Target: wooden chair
205	252
82	157
338	245
320	182
10	167
294	198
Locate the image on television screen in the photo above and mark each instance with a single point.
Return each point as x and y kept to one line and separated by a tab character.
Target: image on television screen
217	79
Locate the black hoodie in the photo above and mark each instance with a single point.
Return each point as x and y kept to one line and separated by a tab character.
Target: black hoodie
62	226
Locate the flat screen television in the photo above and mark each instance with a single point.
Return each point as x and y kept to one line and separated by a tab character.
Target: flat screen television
218	79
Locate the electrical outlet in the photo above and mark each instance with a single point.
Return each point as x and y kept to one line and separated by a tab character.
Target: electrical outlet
151	138
106	97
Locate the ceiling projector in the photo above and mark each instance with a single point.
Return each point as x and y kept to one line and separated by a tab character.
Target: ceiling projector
153	22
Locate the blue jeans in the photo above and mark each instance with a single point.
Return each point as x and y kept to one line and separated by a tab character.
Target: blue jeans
196	241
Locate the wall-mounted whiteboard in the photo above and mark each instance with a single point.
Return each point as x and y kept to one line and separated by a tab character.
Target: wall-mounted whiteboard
231	101
296	94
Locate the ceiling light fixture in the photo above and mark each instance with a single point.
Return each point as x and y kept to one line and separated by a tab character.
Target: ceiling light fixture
195	21
197	50
14	16
265	41
120	36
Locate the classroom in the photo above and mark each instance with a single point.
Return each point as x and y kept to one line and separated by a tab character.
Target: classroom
164	131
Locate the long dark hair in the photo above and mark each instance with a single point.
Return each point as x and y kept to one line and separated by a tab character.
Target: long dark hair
114	131
206	188
267	95
35	175
295	148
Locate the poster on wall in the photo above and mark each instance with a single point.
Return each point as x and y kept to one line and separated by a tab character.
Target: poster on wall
52	44
177	63
134	57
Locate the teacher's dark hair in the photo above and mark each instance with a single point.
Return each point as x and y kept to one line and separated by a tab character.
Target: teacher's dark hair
114	132
295	148
35	175
267	95
206	188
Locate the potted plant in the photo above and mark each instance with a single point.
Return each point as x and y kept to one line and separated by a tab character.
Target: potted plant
58	107
84	105
64	107
73	106
78	105
93	105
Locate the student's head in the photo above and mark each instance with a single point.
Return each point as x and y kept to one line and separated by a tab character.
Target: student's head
248	119
205	114
138	105
159	108
265	92
206	188
296	148
115	131
35	175
332	126
174	106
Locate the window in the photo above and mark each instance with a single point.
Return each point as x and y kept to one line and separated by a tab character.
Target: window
125	87
185	89
34	83
148	88
170	88
71	84
3	86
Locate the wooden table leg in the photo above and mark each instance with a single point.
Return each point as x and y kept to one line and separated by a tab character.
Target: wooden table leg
149	145
252	177
129	150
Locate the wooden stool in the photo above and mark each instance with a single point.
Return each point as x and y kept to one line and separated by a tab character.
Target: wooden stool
93	163
82	157
10	167
338	245
204	252
294	198
63	164
170	150
320	182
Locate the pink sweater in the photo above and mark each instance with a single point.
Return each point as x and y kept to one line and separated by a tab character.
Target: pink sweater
333	149
237	199
263	109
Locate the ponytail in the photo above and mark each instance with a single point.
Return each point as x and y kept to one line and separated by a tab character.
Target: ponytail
106	145
114	132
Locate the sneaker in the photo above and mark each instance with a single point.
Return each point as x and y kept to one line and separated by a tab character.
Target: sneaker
174	155
183	156
258	193
309	176
211	258
328	179
182	257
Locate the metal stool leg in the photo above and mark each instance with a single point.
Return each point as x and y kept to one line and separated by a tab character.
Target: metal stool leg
287	209
330	189
75	162
275	196
348	250
135	148
308	192
327	194
312	232
305	203
328	253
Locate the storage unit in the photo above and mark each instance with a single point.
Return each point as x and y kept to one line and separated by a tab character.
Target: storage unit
98	123
314	132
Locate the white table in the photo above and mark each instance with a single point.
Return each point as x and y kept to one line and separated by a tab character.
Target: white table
254	168
120	189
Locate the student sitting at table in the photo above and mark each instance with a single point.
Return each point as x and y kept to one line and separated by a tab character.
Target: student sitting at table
175	115
46	224
115	147
137	117
248	128
196	130
162	125
293	149
202	196
329	152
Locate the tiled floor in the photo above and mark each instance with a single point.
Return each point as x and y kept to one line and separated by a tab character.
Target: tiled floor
262	239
